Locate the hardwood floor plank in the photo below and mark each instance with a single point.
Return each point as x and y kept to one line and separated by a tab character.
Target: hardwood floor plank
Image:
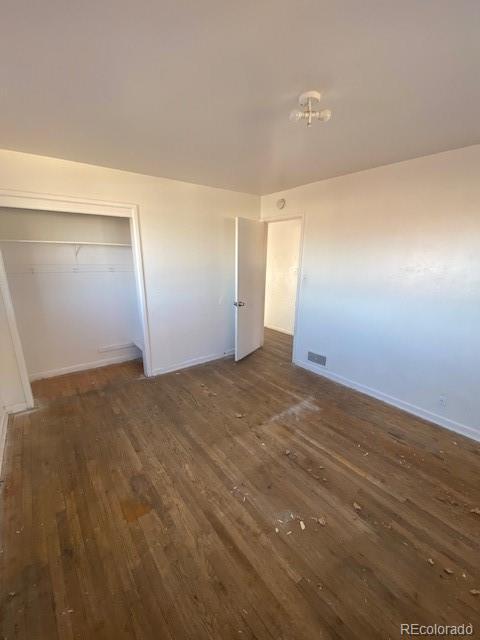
232	500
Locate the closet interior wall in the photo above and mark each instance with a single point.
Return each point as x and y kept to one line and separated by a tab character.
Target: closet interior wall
72	284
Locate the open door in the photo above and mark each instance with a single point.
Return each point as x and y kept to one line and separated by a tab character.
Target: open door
250	265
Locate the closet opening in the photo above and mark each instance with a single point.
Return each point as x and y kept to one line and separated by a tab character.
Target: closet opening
73	283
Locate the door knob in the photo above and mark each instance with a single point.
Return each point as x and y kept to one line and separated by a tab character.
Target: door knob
239	304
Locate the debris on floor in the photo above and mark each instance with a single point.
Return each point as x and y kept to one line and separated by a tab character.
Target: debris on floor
475	510
321	520
448	570
239	415
238	492
430	561
475	592
356	506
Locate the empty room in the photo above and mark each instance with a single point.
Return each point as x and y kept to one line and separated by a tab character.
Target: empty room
239	320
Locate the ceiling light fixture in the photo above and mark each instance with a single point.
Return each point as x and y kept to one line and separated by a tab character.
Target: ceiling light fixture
308	102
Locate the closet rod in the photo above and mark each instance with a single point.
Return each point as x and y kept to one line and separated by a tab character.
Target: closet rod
102	244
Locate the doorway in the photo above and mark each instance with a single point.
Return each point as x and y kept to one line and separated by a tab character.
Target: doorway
267	277
282	271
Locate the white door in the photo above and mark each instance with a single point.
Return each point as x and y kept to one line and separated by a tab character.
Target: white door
250	265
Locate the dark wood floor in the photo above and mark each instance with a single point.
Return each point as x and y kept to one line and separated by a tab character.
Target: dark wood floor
249	500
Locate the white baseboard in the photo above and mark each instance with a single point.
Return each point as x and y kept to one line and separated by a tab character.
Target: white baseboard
138	342
40	375
452	425
288	333
116	347
193	362
15	408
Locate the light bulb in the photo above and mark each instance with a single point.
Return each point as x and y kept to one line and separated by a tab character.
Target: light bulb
296	115
325	115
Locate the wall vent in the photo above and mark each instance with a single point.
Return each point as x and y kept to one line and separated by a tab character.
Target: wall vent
317	358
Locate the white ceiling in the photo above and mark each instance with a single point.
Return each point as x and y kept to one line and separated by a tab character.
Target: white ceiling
200	90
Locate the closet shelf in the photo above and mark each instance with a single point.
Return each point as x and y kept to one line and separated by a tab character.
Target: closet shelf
74	242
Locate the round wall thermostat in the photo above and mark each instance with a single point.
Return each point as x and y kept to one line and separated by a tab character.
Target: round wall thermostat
281	203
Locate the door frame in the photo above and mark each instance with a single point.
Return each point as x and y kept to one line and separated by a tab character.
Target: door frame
302	218
17	343
70	204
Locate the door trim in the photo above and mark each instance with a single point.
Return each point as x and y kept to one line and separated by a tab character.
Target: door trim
17	344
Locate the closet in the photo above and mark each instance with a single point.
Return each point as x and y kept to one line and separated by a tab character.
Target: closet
72	284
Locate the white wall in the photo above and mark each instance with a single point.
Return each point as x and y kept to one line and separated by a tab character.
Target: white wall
391	283
187	235
282	274
76	308
24	224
